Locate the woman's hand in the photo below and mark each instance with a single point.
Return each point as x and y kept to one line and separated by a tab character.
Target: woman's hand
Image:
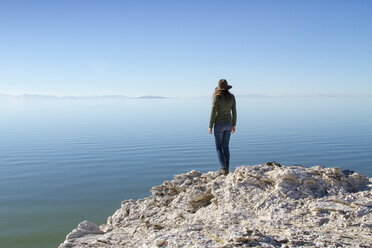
233	130
210	130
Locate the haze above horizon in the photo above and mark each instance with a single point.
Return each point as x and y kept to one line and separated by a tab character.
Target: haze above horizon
168	48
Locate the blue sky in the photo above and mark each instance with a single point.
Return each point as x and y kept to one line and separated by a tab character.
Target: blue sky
182	48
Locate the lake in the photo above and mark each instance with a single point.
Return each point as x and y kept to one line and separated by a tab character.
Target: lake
64	161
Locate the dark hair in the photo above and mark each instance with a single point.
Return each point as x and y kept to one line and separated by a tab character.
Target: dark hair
224	93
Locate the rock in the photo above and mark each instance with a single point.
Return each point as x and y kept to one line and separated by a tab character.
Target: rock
160	242
267	205
89	226
83	229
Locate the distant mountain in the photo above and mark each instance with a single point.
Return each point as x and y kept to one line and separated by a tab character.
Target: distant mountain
33	96
39	96
152	97
95	97
253	95
5	96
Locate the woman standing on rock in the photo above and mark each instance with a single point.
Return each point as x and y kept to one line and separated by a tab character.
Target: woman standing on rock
223	105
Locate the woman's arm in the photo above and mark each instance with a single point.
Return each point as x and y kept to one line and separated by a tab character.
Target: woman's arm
234	117
213	114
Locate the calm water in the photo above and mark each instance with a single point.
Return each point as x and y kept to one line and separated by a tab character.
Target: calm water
64	161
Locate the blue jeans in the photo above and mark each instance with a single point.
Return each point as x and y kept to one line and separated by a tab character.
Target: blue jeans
222	133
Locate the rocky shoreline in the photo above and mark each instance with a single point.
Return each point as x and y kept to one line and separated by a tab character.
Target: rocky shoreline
263	205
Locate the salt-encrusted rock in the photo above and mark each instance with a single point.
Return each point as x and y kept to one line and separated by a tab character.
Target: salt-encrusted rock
160	242
83	229
264	205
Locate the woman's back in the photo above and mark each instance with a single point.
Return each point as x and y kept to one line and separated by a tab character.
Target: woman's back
224	107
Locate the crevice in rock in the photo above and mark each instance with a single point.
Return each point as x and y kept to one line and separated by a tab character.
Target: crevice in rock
201	201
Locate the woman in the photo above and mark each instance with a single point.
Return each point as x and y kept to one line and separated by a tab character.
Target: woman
223	105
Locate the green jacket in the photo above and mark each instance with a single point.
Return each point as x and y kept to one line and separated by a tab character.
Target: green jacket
221	110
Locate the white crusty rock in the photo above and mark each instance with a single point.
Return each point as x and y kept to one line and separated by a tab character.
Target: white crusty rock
263	205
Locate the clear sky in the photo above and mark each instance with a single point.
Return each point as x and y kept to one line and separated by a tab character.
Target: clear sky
182	48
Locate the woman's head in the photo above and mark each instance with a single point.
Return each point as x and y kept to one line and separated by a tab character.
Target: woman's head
223	89
223	85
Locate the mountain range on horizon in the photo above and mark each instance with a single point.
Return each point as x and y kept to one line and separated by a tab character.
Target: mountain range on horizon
118	96
41	96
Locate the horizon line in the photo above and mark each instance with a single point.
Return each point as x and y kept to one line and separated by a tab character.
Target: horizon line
51	96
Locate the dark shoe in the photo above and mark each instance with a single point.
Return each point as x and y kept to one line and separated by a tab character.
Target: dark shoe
223	171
